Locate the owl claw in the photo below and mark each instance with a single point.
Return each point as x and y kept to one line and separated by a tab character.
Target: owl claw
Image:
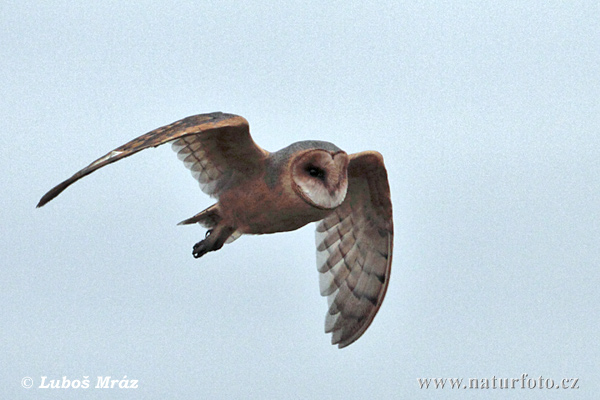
200	249
214	240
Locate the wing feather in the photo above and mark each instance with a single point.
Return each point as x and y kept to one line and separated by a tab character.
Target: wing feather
216	147
354	250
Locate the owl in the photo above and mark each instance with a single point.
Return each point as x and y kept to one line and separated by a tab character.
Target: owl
261	192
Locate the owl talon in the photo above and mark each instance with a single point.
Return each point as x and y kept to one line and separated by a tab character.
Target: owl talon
200	249
214	240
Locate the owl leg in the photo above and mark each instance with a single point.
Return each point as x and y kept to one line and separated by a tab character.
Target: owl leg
215	238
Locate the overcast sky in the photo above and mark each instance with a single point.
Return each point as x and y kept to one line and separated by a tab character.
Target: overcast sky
487	115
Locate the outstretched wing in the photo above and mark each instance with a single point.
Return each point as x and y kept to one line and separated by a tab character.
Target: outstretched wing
354	250
215	147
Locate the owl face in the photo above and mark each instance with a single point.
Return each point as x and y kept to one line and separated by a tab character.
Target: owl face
320	177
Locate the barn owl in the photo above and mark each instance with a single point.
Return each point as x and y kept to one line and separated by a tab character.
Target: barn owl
262	192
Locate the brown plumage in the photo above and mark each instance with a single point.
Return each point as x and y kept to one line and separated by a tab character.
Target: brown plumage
261	192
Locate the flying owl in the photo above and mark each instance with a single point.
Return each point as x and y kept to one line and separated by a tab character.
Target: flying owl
262	192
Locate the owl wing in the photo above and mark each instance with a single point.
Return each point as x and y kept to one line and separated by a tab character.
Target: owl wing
215	147
354	250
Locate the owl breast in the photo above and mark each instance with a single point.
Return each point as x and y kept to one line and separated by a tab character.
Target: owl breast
257	208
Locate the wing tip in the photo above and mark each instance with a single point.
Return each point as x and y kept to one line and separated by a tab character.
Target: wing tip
341	342
49	196
56	190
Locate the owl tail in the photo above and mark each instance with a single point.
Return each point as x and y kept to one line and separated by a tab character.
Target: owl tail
208	218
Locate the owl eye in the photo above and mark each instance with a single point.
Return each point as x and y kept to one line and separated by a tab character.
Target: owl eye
315	172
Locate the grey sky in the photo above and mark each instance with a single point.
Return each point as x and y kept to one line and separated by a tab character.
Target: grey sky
487	115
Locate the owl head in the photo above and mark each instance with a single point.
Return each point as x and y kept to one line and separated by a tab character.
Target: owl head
320	176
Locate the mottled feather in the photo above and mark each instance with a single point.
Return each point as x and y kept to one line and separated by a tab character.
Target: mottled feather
354	250
218	146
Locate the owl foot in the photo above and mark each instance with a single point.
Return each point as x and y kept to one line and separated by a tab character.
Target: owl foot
200	248
214	240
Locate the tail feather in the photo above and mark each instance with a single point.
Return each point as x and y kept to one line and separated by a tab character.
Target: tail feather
208	218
